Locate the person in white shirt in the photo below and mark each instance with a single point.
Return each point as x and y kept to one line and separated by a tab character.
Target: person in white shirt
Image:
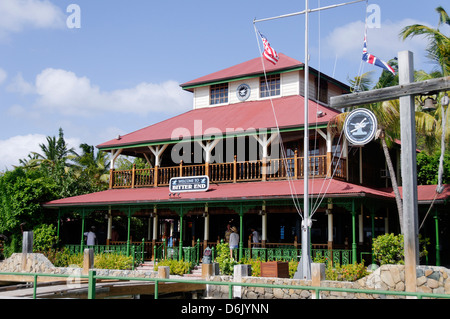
234	240
91	237
256	238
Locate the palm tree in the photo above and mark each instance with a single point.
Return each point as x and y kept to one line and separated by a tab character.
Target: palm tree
95	166
55	151
438	51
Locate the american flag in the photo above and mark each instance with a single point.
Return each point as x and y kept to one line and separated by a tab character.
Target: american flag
269	53
369	58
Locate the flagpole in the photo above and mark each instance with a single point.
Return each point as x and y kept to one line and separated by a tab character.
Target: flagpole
306	224
304	266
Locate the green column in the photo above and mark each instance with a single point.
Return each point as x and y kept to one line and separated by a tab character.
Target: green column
180	243
129	231
354	246
58	225
82	231
438	253
373	234
241	232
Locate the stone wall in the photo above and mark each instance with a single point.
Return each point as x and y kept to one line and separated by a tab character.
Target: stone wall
38	263
430	279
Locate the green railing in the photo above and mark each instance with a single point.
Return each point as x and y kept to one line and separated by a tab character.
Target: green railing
189	254
338	256
92	278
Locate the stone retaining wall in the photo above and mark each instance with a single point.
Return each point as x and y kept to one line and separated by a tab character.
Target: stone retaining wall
430	279
38	263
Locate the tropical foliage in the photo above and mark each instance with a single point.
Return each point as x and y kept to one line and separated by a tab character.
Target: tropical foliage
55	172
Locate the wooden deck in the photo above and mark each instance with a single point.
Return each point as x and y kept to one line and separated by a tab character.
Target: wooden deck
231	172
104	289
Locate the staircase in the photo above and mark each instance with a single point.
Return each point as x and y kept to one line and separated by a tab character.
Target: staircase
149	266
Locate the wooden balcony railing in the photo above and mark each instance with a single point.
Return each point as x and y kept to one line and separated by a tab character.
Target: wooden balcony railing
231	172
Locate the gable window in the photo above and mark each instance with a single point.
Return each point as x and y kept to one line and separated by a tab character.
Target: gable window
271	87
218	93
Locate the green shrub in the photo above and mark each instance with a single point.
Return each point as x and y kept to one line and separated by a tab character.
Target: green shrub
177	267
64	258
388	249
255	264
44	237
350	272
293	265
226	263
113	261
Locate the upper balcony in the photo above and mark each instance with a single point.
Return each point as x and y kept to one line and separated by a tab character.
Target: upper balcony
233	172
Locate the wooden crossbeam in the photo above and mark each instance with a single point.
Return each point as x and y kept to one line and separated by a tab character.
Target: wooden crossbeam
390	93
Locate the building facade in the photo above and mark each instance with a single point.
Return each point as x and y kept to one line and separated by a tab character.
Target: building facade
245	133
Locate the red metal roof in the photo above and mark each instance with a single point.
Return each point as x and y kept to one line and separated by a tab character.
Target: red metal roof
222	192
239	117
426	193
248	68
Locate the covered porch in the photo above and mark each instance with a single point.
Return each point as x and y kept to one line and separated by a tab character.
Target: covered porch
344	221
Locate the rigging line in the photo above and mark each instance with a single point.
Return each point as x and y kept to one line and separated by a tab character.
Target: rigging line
329	179
361	64
329	183
333	173
429	209
291	186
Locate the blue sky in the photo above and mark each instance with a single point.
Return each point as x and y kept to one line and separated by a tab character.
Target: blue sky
121	69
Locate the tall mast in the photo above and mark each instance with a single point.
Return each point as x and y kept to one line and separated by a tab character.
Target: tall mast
304	266
306	224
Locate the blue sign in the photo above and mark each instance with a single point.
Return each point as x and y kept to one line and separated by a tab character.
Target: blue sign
189	184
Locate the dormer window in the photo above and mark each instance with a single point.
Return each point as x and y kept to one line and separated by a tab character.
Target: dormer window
218	94
271	87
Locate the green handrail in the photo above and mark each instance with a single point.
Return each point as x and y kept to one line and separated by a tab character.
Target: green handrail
92	278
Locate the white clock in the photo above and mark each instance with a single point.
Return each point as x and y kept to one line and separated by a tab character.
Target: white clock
360	126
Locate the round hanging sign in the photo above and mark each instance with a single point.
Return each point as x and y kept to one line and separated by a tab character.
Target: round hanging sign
360	126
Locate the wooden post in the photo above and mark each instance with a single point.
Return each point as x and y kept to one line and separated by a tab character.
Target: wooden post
181	168
234	169
155	180
264	169
111	178
206	168
133	175
88	260
409	171
295	164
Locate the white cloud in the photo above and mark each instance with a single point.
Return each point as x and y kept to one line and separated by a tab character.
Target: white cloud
346	42
16	15
3	76
64	92
19	85
18	147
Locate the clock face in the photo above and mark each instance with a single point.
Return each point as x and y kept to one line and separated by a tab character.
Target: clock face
360	126
243	92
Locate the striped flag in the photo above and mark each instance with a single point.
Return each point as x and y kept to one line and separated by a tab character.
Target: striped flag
269	53
371	59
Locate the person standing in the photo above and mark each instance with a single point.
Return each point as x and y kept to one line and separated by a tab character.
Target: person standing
228	233
256	238
234	240
91	237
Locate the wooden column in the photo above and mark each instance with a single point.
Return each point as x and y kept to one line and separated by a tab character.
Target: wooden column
409	171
